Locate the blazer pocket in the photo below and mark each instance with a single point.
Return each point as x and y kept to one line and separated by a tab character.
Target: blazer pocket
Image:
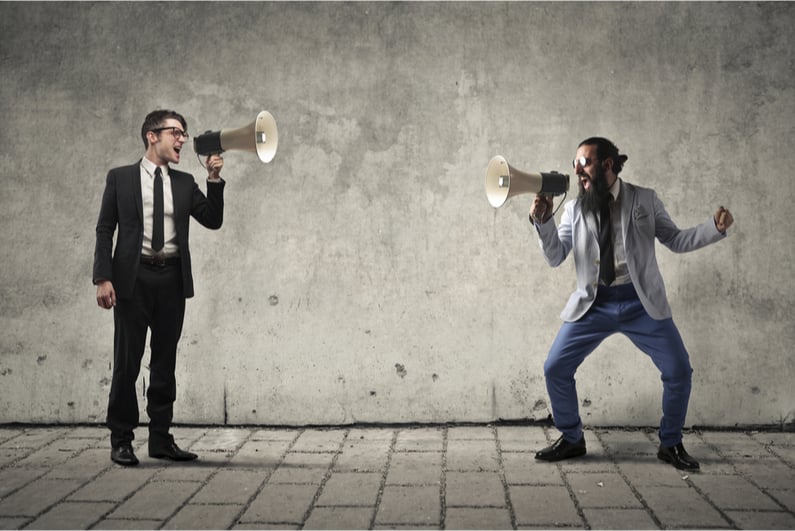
643	222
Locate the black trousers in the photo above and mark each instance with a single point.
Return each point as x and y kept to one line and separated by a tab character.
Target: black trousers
157	304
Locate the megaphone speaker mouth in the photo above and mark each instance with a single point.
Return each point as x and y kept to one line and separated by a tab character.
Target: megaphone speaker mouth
260	137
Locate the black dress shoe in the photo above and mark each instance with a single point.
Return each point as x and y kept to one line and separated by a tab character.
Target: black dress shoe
677	456
170	450
123	455
562	449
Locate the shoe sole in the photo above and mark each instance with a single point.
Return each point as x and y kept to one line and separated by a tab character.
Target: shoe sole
667	459
163	456
125	463
554	459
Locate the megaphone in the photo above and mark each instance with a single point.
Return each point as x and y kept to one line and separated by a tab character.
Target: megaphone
260	137
504	181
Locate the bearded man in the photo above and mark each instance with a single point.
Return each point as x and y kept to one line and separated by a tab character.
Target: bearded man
611	228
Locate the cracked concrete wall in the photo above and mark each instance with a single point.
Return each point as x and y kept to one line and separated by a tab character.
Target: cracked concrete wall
362	275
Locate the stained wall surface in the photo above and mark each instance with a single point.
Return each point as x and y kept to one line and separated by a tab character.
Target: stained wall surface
362	276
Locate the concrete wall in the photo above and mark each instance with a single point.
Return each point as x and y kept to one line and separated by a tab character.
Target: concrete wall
362	275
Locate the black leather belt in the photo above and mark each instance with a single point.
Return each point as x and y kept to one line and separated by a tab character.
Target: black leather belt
159	261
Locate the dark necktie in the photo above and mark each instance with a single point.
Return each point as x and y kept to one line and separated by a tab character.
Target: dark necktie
606	269
157	220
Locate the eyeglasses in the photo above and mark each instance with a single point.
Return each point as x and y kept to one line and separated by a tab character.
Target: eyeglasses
582	161
175	131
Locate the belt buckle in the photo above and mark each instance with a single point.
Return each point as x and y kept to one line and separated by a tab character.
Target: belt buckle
159	259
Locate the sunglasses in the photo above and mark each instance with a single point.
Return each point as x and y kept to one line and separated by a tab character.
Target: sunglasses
582	161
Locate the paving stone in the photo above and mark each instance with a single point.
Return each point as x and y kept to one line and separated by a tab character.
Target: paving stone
220	440
623	445
785	497
521	438
522	468
351	488
736	445
618	519
652	473
127	523
14	478
86	465
72	515
309	460
677	508
214	516
733	492
257	453
370	435
157	499
275	434
474	489
12	455
762	520
469	433
297	475
340	518
34	438
319	441
54	453
114	485
12	523
602	490
548	506
231	487
420	440
472	455
280	504
415	468
771	473
197	471
419	505
368	456
477	518
36	496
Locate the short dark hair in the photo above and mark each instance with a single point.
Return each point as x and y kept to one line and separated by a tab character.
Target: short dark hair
156	119
605	149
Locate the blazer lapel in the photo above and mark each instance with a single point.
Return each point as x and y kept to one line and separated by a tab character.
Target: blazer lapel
627	201
135	177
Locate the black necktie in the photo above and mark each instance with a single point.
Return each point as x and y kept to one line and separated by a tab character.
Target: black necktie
157	220
606	269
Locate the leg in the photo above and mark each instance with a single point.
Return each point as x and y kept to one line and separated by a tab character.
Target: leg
167	318
574	342
662	342
131	318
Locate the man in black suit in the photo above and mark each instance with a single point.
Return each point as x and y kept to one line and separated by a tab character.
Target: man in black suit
148	277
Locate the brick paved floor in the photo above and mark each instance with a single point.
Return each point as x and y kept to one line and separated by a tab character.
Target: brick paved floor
412	477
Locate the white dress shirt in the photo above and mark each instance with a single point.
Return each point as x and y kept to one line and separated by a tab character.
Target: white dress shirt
170	247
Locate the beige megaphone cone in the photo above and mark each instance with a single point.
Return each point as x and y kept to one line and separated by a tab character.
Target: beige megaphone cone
259	137
504	182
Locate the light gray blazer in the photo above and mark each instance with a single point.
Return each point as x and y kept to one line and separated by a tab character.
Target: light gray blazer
643	218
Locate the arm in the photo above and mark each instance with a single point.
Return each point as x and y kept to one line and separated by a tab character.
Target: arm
556	243
684	240
103	251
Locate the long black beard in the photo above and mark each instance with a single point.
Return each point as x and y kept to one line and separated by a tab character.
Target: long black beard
593	199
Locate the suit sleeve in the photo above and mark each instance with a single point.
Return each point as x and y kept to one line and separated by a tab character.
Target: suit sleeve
682	240
106	227
556	242
208	210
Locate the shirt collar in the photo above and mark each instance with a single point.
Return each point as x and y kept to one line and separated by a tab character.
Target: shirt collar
150	167
615	190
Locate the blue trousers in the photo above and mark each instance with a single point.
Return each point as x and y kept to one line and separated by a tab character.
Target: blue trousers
618	310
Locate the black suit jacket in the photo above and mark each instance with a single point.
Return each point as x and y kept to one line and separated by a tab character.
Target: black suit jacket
122	207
